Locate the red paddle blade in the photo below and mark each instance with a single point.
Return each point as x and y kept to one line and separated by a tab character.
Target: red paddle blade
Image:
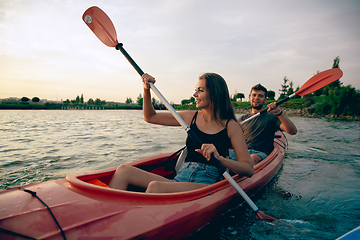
265	217
101	25
320	80
268	218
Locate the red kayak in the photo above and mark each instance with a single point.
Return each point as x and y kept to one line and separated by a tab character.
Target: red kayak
83	207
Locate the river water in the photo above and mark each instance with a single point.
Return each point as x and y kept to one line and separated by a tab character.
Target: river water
316	194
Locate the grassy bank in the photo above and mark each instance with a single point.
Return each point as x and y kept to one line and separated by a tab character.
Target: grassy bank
307	107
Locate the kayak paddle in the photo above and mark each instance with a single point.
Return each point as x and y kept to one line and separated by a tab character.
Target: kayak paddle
314	83
103	28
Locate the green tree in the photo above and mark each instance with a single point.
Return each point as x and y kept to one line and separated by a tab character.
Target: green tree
185	102
25	99
336	84
291	89
35	99
342	101
239	95
97	101
284	88
233	98
67	101
128	100
90	101
82	98
191	100
336	62
271	95
139	100
77	99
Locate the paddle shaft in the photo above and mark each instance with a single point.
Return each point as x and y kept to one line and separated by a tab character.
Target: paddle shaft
189	130
314	83
152	86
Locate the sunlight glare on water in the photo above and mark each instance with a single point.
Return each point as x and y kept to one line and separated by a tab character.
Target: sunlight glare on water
41	145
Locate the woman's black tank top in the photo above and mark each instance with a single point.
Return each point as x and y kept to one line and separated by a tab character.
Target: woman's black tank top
220	140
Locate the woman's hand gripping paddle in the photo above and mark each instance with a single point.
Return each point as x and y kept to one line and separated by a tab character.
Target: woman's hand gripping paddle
314	83
103	28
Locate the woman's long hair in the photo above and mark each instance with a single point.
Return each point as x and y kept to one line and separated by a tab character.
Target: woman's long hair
219	96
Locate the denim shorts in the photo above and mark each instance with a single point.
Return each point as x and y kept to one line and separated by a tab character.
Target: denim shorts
251	151
197	172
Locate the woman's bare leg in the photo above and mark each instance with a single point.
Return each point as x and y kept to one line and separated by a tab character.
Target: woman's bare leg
126	175
170	187
255	158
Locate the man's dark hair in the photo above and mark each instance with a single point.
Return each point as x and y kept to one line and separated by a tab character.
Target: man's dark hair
259	87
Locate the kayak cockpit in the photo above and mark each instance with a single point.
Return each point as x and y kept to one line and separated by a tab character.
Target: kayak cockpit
94	184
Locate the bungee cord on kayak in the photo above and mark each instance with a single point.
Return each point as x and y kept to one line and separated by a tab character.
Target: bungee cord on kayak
34	194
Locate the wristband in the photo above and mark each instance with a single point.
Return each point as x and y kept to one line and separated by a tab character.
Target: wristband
279	113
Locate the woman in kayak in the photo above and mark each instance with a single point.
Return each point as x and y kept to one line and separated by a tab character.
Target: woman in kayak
215	124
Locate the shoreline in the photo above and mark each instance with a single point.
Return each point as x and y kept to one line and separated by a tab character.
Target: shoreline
307	112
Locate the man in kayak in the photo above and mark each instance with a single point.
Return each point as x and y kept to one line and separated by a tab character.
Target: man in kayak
259	132
216	126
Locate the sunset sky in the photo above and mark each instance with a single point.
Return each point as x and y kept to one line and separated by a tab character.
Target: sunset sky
47	51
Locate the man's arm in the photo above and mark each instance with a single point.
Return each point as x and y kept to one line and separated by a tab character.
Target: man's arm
286	124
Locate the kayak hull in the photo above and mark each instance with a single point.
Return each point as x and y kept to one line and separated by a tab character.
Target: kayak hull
88	211
351	235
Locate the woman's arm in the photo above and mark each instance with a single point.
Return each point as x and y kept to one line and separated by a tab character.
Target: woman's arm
243	166
161	118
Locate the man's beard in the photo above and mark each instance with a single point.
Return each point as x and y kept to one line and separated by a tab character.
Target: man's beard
258	107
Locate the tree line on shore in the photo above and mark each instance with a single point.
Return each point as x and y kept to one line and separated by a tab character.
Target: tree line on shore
332	100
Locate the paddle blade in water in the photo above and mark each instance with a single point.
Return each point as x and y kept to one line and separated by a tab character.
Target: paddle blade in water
265	217
101	25
320	80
